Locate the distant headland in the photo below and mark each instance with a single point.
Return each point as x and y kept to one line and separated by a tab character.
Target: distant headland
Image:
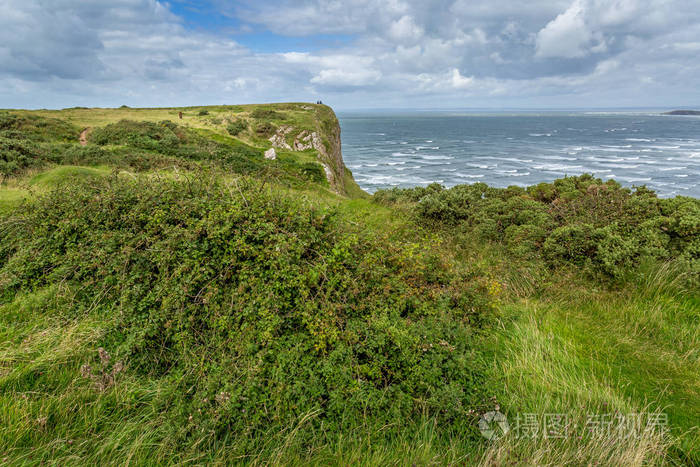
683	112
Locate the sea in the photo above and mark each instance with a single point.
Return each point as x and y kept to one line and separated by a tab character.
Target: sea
416	148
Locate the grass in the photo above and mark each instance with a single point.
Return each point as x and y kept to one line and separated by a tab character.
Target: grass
61	174
586	354
113	256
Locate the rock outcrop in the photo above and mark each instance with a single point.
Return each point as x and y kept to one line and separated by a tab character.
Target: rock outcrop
325	140
279	139
271	154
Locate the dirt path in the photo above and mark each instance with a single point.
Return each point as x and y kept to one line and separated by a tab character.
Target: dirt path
83	137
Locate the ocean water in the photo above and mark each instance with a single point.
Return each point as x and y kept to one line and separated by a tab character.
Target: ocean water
414	149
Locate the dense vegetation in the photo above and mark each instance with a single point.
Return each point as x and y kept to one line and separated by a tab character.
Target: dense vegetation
579	221
168	296
265	309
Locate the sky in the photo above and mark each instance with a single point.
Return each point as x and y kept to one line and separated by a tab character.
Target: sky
352	54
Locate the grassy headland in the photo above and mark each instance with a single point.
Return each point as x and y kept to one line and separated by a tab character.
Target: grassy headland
170	296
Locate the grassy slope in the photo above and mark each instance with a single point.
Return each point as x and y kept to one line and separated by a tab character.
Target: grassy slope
300	116
572	348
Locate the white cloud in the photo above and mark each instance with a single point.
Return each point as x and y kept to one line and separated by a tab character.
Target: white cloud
566	36
459	81
405	30
396	52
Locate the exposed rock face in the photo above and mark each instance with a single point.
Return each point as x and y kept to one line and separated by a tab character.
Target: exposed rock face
303	141
270	154
279	140
332	156
325	139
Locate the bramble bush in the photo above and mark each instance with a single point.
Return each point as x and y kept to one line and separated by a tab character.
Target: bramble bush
235	127
581	221
262	308
267	114
36	128
265	129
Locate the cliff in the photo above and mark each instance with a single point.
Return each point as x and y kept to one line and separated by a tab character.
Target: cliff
299	140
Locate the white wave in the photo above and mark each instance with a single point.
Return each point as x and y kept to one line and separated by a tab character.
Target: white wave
682	176
557	167
622	166
640	140
664	147
606	149
399	154
633	180
410	167
396	163
618	147
609	159
537	135
559	158
436	158
461	175
514	159
669	169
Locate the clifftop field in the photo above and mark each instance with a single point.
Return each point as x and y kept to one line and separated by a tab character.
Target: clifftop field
171	292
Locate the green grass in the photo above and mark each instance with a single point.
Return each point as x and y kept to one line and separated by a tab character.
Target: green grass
67	173
263	318
601	354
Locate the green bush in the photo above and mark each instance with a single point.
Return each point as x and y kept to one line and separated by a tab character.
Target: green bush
17	155
574	220
262	308
265	129
267	114
162	137
236	127
570	244
203	113
37	129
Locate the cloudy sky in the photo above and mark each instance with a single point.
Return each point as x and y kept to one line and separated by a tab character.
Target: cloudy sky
351	53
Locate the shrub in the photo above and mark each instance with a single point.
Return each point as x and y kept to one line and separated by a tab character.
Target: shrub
36	128
236	127
17	155
203	113
265	129
163	136
262	308
574	220
267	114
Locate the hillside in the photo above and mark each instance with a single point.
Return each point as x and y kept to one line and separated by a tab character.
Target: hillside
169	295
306	138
